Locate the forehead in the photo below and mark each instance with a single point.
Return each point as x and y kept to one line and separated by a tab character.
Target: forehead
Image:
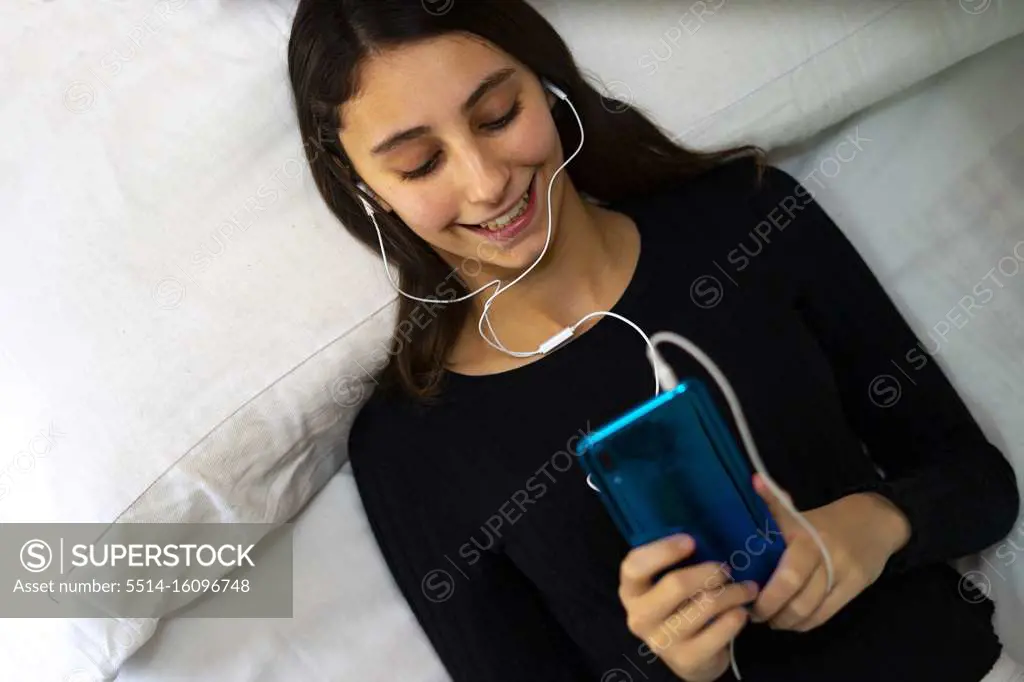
418	83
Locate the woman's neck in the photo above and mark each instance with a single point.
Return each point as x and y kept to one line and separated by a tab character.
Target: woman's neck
587	266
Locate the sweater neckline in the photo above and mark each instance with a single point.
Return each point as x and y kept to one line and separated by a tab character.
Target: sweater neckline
562	354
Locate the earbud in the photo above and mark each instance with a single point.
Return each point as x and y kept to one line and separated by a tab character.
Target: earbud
366	204
548	85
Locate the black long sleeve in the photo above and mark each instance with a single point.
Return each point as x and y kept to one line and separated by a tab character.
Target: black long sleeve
484	620
485	485
956	488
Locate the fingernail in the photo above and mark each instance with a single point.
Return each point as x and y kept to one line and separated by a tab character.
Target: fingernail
752	588
684	541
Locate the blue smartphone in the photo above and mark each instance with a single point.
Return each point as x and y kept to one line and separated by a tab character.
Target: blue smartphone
670	465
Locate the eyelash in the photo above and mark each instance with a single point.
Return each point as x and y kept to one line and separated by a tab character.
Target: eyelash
501	123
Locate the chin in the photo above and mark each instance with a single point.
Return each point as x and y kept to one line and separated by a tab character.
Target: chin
525	254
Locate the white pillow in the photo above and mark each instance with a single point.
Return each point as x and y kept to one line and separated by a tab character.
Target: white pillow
187	330
159	363
720	72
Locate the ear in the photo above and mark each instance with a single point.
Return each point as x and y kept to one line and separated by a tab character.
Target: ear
380	202
550	97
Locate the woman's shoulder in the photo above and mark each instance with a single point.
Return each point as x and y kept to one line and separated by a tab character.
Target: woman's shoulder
380	429
393	432
733	186
712	209
403	453
745	178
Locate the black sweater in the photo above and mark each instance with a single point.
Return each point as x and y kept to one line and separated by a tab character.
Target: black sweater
509	560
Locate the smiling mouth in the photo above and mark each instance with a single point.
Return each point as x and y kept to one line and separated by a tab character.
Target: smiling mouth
516	222
509	217
518	210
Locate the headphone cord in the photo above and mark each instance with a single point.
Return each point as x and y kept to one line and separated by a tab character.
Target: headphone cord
668	378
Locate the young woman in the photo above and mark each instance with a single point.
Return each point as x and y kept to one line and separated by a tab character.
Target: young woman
437	114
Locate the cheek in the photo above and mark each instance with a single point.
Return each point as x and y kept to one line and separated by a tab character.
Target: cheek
426	212
535	141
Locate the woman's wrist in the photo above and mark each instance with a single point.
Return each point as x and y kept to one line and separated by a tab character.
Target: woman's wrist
892	524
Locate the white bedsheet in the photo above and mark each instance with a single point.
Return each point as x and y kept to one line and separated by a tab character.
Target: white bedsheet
933	202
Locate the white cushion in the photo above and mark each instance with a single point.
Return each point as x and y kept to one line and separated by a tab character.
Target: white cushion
159	362
720	72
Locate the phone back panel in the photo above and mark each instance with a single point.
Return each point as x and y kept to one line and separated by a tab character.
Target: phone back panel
671	465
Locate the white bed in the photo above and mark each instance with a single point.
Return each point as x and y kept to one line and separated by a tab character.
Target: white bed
161	367
933	202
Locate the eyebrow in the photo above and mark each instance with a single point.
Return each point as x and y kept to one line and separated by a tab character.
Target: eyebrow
486	85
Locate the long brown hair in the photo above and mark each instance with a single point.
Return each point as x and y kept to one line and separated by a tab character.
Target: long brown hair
626	154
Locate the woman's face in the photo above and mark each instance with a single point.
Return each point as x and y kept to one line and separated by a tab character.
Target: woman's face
453	133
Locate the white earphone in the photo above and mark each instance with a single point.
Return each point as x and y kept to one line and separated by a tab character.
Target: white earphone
663	373
558	338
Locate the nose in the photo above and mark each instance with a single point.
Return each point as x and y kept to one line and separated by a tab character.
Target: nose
485	177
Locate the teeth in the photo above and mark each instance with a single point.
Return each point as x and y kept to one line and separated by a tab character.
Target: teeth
509	217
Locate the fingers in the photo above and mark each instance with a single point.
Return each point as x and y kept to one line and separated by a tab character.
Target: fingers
798	564
682	584
686	622
833	602
805	603
643	562
716	636
689	615
704	607
668	594
778	508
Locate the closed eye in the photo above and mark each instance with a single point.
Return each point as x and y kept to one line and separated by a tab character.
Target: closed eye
503	122
423	170
507	119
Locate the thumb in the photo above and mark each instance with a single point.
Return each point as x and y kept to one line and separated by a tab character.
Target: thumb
783	517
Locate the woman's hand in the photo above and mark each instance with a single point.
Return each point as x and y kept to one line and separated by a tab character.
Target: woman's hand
861	532
689	616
